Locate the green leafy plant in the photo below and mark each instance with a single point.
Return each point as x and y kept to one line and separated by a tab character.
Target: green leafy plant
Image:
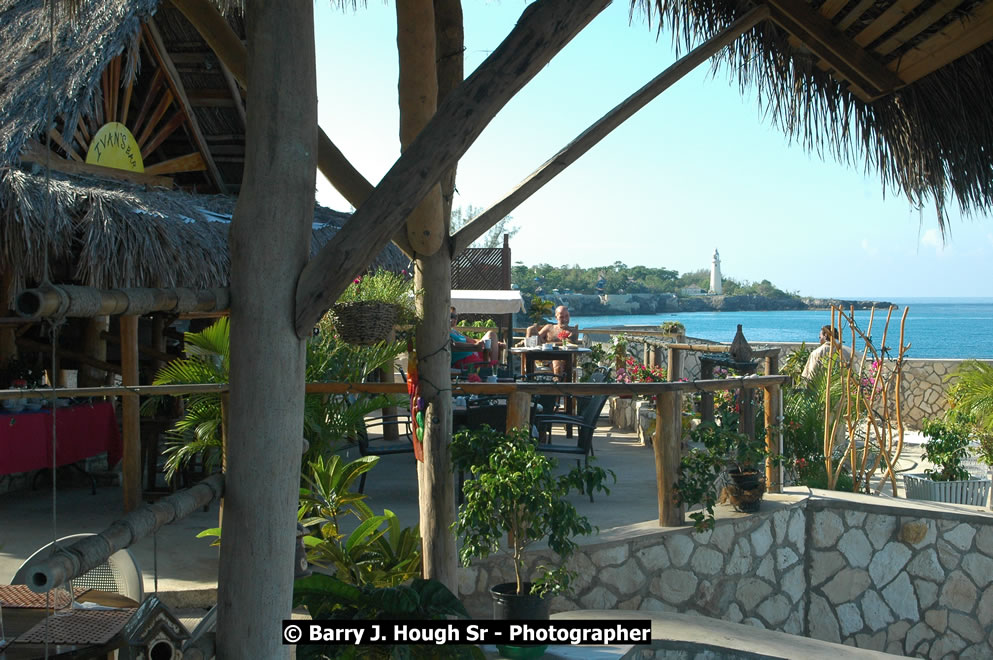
328	420
466	327
672	328
597	358
377	552
327	597
701	469
516	491
947	445
385	287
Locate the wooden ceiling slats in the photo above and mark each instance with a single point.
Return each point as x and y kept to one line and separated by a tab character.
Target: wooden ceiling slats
81	128
952	42
156	117
930	16
167	129
831	8
161	54
115	87
57	139
153	91
189	163
896	13
126	101
84	144
855	14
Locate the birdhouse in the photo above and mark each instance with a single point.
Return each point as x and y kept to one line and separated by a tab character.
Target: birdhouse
153	633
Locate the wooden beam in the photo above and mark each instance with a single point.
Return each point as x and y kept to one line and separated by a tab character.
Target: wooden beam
130	415
82	358
167	129
602	128
158	79
189	163
955	40
161	54
544	28
860	68
239	102
854	14
155	117
230	50
147	351
57	138
35	153
214	98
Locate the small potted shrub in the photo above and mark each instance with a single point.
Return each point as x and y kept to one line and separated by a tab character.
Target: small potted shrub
515	492
673	329
946	447
724	452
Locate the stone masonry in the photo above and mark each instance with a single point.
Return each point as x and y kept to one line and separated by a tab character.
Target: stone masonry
857	571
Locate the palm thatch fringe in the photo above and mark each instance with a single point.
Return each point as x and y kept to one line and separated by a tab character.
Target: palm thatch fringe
931	140
88	34
113	235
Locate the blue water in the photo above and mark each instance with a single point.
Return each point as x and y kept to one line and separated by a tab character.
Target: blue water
935	327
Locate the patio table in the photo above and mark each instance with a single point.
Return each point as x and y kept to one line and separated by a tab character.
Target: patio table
84	430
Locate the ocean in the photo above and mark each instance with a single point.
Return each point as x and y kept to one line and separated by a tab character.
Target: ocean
935	328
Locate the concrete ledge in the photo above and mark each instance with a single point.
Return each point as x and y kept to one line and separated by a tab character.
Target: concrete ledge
820	500
723	639
189	598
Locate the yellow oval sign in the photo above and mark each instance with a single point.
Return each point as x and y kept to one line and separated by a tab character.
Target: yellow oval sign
114	146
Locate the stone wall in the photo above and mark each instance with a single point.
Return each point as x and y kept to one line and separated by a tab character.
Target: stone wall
924	392
858	570
892	580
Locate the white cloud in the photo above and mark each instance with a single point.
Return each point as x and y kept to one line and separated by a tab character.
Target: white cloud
932	238
868	248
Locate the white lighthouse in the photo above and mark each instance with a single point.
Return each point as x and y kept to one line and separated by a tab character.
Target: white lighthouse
715	275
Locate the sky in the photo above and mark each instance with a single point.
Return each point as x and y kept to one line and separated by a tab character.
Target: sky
699	168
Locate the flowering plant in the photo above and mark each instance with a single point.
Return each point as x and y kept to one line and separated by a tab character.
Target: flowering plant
636	372
564	336
385	287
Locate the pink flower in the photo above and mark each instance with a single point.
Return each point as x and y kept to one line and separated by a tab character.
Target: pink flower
474	378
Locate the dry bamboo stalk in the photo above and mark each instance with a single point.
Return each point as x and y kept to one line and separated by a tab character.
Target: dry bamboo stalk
865	352
899	417
90	552
883	388
828	436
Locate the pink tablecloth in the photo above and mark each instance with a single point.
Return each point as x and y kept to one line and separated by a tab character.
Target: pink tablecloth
82	431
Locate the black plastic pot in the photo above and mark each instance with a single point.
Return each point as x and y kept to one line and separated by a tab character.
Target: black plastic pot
745	480
508	604
746	490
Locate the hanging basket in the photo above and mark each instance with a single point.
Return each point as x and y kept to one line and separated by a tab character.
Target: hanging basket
364	323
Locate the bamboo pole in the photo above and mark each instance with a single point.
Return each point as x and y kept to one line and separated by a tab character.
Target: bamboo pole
667	457
772	400
87	302
88	553
130	415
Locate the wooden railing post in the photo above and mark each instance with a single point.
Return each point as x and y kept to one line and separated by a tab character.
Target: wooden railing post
706	398
773	426
667	456
130	415
519	410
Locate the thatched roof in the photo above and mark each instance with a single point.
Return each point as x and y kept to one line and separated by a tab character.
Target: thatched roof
901	88
108	234
101	30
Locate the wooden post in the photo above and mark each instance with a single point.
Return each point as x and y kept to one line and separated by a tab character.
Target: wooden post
675	372
773	426
8	348
667	456
746	416
519	410
94	346
387	375
706	398
130	416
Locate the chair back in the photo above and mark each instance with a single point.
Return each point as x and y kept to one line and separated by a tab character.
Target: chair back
482	412
590	415
119	574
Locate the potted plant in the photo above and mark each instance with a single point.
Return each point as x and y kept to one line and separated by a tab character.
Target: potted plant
515	493
724	452
946	447
367	311
673	329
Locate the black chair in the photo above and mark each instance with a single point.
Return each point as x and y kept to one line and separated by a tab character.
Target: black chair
404	445
586	421
486	411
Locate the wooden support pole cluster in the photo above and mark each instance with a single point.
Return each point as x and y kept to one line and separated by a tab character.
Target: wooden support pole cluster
90	552
773	402
88	302
667	456
130	414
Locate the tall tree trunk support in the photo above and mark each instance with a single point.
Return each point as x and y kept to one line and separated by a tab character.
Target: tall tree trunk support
270	242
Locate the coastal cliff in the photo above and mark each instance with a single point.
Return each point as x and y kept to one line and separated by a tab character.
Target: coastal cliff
580	304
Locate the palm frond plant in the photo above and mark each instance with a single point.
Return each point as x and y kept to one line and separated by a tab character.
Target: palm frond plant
971	393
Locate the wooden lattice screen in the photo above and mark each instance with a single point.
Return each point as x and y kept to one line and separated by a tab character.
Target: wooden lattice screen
484	268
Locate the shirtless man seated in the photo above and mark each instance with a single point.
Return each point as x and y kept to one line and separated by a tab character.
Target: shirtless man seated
551	334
